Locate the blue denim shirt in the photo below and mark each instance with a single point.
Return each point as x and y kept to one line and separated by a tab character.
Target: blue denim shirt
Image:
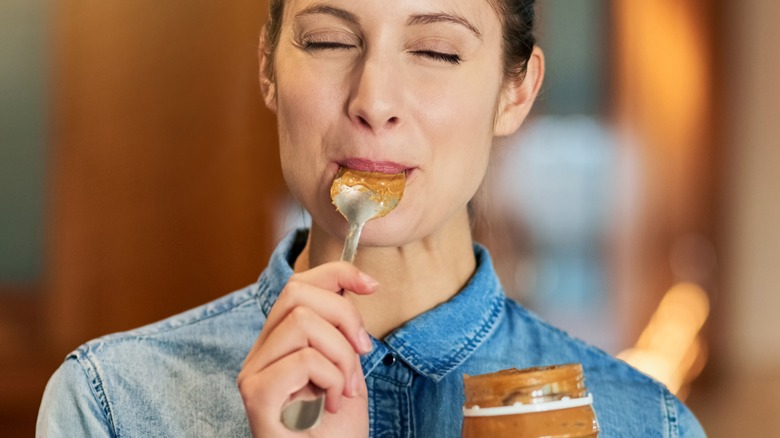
178	377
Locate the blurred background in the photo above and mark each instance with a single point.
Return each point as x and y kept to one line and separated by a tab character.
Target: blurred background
637	208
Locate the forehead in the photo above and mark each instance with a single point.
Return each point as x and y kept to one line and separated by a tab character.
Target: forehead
478	12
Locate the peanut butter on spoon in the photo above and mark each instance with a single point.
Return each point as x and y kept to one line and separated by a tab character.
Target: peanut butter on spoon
361	196
385	189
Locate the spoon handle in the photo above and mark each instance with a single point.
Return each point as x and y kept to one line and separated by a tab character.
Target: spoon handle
351	242
302	415
305	414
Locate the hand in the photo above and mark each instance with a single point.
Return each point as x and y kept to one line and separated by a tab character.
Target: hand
313	336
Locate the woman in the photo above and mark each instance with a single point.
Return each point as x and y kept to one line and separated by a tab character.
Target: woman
415	86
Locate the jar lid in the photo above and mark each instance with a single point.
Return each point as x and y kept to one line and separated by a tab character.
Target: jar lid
520	408
527	386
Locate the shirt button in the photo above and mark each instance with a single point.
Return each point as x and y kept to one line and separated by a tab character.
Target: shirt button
388	360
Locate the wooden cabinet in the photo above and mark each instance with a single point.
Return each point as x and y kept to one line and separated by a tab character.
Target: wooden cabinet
163	177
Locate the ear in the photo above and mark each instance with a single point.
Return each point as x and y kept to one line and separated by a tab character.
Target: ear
518	97
267	84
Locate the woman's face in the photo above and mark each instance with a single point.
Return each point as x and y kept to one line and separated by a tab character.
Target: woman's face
407	85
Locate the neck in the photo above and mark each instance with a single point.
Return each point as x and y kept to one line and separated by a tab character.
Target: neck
413	278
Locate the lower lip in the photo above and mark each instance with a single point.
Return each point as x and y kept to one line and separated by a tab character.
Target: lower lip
374	166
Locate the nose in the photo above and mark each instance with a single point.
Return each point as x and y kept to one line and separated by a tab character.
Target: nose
374	101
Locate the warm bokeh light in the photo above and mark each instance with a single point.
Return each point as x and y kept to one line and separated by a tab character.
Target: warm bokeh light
670	348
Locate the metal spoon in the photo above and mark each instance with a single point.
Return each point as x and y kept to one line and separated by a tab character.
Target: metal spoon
359	197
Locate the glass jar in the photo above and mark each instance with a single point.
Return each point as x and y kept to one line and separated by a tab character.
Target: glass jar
550	402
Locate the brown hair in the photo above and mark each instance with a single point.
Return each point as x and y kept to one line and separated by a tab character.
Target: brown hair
517	19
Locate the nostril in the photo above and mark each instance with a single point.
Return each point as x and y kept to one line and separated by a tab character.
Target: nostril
368	122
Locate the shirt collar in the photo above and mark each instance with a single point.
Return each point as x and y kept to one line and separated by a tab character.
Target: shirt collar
279	269
434	343
439	340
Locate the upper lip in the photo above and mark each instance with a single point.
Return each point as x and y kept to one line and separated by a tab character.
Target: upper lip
368	165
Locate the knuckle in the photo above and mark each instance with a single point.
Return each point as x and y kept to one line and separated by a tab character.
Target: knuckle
353	313
245	385
247	380
346	364
294	278
252	394
293	286
300	314
350	315
309	356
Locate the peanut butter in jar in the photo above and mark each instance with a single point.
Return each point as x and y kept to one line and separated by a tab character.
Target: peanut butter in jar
549	401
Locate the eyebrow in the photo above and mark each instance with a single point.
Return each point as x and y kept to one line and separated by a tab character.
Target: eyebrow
329	10
443	18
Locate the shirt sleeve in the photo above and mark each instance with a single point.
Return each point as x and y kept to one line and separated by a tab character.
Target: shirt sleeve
70	405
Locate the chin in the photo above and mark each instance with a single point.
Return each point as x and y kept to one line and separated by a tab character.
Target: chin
403	226
388	232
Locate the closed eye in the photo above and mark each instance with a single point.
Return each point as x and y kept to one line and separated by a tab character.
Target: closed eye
326	45
438	56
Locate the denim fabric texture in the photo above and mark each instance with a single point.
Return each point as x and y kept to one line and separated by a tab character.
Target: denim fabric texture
177	377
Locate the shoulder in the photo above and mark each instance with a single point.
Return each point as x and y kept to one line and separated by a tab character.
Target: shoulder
218	311
184	366
220	322
214	336
627	401
73	404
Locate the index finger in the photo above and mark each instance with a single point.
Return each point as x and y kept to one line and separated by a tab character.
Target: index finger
337	276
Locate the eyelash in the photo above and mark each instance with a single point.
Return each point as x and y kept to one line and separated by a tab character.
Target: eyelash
449	58
325	45
439	56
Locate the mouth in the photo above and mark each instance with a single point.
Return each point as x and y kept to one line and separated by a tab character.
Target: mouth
366	165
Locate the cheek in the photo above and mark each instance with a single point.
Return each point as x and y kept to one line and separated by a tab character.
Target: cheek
297	155
300	107
462	104
303	110
461	122
461	119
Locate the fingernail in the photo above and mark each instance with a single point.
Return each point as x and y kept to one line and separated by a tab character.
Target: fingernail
368	280
365	341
